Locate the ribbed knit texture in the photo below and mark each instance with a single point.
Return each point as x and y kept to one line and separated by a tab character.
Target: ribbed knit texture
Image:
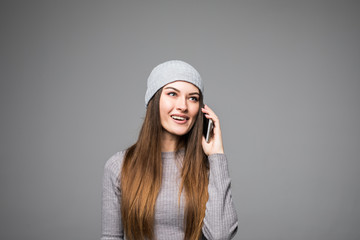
171	71
220	220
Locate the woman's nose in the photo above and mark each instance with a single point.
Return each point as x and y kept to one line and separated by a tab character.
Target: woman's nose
181	104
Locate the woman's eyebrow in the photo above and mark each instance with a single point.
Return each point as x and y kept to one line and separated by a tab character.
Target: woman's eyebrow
177	90
173	89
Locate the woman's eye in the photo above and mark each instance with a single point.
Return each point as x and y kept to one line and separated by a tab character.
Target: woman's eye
172	94
195	99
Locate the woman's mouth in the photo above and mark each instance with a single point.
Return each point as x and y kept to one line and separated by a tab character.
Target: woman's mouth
180	119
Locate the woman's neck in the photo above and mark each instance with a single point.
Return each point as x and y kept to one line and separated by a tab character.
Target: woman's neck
169	142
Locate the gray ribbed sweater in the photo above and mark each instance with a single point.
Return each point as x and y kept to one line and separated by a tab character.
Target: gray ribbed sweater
220	220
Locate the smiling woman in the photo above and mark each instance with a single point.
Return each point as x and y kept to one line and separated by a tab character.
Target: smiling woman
179	106
171	182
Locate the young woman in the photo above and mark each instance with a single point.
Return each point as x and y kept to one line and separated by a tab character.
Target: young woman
172	183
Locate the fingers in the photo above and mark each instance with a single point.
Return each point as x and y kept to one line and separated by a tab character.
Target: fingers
209	113
215	144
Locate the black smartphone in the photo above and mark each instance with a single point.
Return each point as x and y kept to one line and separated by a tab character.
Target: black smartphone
208	127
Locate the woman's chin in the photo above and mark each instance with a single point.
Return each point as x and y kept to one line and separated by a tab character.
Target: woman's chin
177	132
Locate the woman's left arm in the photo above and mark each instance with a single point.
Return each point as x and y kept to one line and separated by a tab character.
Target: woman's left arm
220	221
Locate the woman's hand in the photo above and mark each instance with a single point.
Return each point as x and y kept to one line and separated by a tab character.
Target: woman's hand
215	144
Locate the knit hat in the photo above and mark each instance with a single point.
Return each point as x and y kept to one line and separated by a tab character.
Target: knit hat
171	71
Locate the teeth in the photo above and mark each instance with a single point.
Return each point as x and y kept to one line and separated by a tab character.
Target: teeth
178	118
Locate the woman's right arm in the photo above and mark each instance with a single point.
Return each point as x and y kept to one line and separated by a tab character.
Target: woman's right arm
111	216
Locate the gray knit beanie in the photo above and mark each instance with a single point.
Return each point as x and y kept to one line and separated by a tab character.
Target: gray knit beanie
171	71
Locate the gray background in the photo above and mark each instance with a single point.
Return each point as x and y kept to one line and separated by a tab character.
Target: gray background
283	76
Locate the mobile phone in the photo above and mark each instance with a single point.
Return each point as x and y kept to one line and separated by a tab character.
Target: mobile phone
208	127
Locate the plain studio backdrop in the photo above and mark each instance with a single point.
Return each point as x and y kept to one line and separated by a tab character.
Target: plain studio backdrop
283	77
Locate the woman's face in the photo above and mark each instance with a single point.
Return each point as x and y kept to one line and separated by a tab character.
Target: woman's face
179	106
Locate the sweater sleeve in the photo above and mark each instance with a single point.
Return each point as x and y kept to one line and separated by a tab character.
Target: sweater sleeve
220	221
111	216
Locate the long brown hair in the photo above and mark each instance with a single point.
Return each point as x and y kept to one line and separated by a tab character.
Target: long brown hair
141	174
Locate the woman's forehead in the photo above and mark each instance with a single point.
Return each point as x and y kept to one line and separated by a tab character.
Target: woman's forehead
182	86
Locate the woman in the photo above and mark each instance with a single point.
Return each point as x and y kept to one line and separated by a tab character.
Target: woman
171	184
